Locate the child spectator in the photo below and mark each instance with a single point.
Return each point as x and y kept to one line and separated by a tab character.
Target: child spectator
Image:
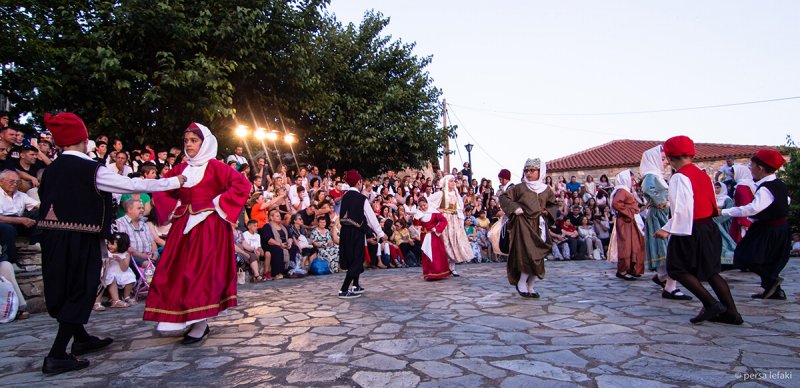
117	273
252	246
795	244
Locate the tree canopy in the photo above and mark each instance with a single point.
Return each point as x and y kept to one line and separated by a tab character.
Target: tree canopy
142	70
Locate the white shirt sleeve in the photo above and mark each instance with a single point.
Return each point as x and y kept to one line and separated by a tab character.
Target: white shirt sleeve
372	220
762	200
115	183
29	202
681	204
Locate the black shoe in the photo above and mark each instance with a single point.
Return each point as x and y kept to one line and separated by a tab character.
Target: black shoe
53	366
454	273
728	319
778	295
522	294
674	295
188	340
533	295
625	277
92	345
774	287
711	312
348	295
357	290
658	281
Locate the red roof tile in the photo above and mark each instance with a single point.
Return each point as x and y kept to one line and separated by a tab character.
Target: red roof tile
623	153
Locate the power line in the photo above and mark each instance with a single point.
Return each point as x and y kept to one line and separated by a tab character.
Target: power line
634	112
478	143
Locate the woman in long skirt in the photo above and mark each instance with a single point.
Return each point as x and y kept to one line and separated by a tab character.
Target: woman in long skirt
630	238
450	204
196	275
432	225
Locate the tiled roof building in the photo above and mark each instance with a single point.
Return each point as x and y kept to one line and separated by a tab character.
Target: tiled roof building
617	155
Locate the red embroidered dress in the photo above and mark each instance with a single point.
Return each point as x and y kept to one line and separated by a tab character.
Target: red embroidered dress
434	256
196	275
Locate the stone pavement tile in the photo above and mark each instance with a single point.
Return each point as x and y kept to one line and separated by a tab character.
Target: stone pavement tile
564	324
738	343
492	351
309	342
479	366
679	374
380	362
605	328
154	369
386	379
468	381
613	381
401	346
276	360
502	322
523	381
614	354
601	339
437	370
541	369
315	373
519	338
769	361
212	362
560	358
433	353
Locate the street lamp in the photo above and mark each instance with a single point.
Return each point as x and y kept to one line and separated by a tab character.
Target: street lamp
469	157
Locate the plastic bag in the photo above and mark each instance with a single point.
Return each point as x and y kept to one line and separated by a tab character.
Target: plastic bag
241	277
319	267
9	303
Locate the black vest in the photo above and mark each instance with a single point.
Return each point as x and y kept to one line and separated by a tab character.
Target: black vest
71	200
779	208
351	211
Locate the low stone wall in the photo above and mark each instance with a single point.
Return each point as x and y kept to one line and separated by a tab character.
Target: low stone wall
30	280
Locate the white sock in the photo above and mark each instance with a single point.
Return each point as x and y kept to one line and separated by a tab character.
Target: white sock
531	278
198	329
671	285
522	284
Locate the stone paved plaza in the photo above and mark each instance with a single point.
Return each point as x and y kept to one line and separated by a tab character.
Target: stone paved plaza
589	329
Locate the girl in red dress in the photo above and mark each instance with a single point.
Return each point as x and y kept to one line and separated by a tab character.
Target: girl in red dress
434	256
743	194
196	276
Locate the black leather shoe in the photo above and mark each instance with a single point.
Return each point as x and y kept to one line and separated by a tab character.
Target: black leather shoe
533	295
92	345
627	277
54	366
728	319
778	295
522	294
774	287
188	340
674	295
709	313
658	281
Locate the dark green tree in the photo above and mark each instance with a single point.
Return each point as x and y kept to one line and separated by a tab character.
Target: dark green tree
142	70
790	174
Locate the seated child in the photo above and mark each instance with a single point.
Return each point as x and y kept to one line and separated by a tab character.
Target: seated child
117	273
795	245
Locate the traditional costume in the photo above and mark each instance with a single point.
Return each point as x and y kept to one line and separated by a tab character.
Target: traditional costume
357	220
76	215
434	257
527	206
656	194
693	251
724	224
450	204
196	275
743	194
765	248
629	234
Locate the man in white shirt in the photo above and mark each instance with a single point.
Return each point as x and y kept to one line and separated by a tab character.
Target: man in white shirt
695	245
143	245
18	212
298	197
120	165
237	157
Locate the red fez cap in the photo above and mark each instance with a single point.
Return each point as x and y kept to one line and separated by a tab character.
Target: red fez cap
67	128
352	177
771	158
504	174
679	146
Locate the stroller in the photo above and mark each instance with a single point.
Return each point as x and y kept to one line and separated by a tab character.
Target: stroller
144	275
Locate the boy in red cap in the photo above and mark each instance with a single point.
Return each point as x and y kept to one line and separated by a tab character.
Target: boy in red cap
695	246
764	250
76	214
358	220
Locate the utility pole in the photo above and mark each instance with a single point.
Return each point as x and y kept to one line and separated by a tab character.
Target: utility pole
446	138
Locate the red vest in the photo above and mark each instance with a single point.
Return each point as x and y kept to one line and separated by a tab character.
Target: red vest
705	202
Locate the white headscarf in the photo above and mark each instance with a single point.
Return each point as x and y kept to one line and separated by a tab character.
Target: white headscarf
426	215
743	176
721	197
197	165
538	186
435	199
622	182
653	164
